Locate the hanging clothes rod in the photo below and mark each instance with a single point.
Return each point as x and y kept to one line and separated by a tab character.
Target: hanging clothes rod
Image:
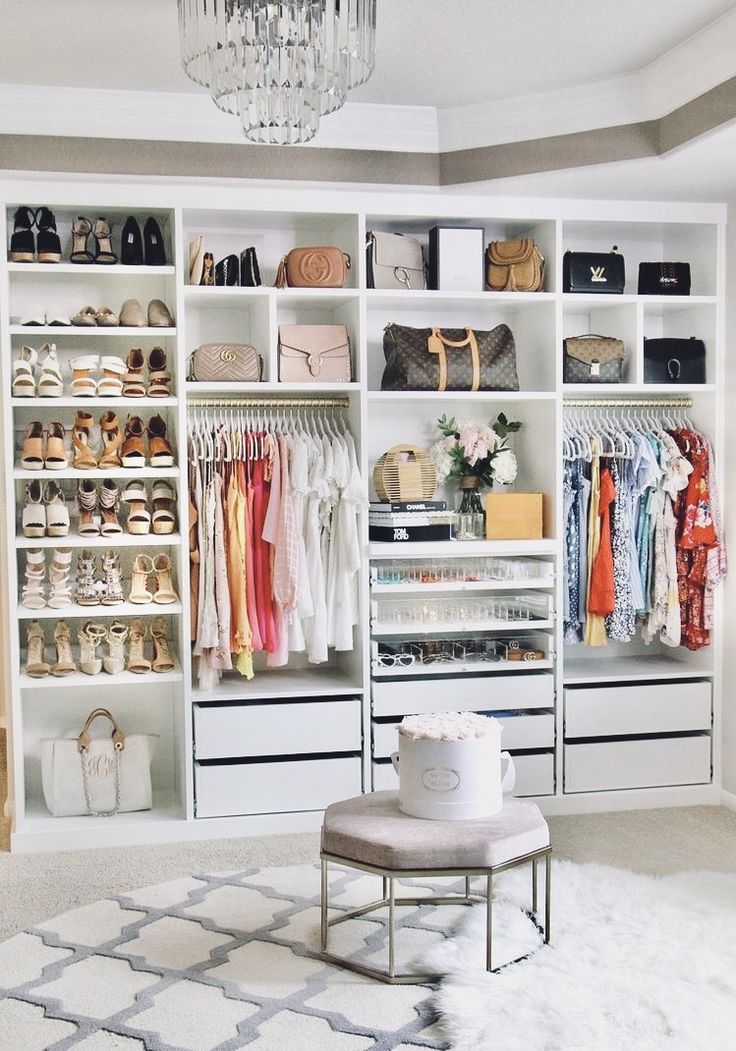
265	400
628	403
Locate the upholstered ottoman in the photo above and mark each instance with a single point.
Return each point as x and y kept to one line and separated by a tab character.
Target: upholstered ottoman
370	833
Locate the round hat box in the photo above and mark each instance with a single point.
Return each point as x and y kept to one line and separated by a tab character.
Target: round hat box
445	780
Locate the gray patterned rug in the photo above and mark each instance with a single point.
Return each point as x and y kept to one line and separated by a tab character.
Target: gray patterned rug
213	963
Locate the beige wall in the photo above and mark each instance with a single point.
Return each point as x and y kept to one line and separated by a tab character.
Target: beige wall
729	509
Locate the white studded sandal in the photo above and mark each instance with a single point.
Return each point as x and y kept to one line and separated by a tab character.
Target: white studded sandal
33	596
50	381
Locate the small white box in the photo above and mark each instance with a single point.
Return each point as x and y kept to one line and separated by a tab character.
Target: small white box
456	259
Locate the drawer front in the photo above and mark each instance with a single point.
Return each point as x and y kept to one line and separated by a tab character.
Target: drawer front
232	731
482	694
519	731
608	711
649	763
231	789
535	775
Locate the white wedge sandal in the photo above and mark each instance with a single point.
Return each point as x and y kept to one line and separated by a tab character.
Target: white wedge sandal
50	381
24	380
110	384
33	520
84	384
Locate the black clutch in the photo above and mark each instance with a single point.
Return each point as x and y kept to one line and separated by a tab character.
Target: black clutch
664	279
594	272
674	361
226	271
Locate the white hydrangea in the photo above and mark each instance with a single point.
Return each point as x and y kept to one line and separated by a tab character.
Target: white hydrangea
446	726
504	467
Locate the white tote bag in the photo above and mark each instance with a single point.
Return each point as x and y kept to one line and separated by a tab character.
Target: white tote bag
101	775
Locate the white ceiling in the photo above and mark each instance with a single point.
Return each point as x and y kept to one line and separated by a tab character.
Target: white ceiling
430	52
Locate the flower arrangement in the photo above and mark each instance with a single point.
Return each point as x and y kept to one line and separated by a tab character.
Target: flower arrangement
474	450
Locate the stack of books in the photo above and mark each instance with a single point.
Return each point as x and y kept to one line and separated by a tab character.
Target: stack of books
407	521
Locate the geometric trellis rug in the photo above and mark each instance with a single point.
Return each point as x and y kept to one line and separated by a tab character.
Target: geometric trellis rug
636	963
214	963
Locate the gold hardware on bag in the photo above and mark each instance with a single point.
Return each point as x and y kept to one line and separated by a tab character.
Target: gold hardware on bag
227	355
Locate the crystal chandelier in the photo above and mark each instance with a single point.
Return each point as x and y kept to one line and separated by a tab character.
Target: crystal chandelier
279	67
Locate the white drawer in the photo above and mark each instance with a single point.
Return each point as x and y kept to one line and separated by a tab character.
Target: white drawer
488	693
519	731
293	728
646	763
535	775
608	711
229	789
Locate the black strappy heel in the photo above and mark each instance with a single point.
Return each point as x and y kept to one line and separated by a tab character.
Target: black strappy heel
81	230
22	241
48	245
102	233
153	242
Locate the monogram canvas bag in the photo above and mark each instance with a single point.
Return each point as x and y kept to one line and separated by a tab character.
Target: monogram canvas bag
97	775
514	266
225	363
394	261
593	359
449	359
314	354
313	268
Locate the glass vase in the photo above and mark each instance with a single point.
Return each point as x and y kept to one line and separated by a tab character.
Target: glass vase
471	520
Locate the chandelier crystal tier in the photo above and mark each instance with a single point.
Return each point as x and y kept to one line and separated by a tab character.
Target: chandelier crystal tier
279	67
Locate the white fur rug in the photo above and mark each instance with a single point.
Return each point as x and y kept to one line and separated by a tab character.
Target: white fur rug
636	963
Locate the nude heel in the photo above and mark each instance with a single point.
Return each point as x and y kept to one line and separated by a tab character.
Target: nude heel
142	570
165	592
65	663
137	661
36	666
162	659
90	636
117	636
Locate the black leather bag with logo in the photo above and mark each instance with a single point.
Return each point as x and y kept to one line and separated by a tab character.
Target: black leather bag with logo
664	279
449	359
594	272
674	361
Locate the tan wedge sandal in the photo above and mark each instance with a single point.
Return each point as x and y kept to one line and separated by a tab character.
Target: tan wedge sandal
159	449
158	378
33	455
133	382
162	659
117	636
84	458
139	517
36	666
141	572
65	663
137	660
112	441
57	457
134	449
91	635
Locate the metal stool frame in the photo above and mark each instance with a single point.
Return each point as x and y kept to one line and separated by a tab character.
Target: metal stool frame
390	901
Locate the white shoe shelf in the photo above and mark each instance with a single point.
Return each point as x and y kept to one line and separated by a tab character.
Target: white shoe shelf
275	219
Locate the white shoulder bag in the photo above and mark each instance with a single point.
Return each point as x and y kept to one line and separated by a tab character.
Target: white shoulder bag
101	775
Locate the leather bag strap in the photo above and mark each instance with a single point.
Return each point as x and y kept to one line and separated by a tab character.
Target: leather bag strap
281	274
117	735
436	345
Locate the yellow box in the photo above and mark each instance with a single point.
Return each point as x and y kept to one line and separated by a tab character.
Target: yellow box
514	516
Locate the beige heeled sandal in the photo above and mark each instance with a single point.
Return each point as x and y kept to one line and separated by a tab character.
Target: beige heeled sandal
137	660
33	520
133	383
164	593
36	666
142	570
164	503
84	384
91	635
33	595
84	458
24	381
32	457
50	380
162	659
65	663
110	384
117	636
57	458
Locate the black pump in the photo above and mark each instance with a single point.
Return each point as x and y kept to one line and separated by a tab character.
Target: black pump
22	241
48	245
131	243
155	253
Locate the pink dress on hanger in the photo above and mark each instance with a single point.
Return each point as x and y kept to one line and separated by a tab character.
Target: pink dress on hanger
262	554
246	486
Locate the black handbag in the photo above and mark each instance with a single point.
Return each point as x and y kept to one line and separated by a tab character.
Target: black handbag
594	272
674	361
664	279
227	271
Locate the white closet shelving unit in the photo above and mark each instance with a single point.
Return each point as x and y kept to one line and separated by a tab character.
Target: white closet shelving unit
627	726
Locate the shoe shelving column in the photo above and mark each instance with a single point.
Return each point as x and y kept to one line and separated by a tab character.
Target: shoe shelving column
52	706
